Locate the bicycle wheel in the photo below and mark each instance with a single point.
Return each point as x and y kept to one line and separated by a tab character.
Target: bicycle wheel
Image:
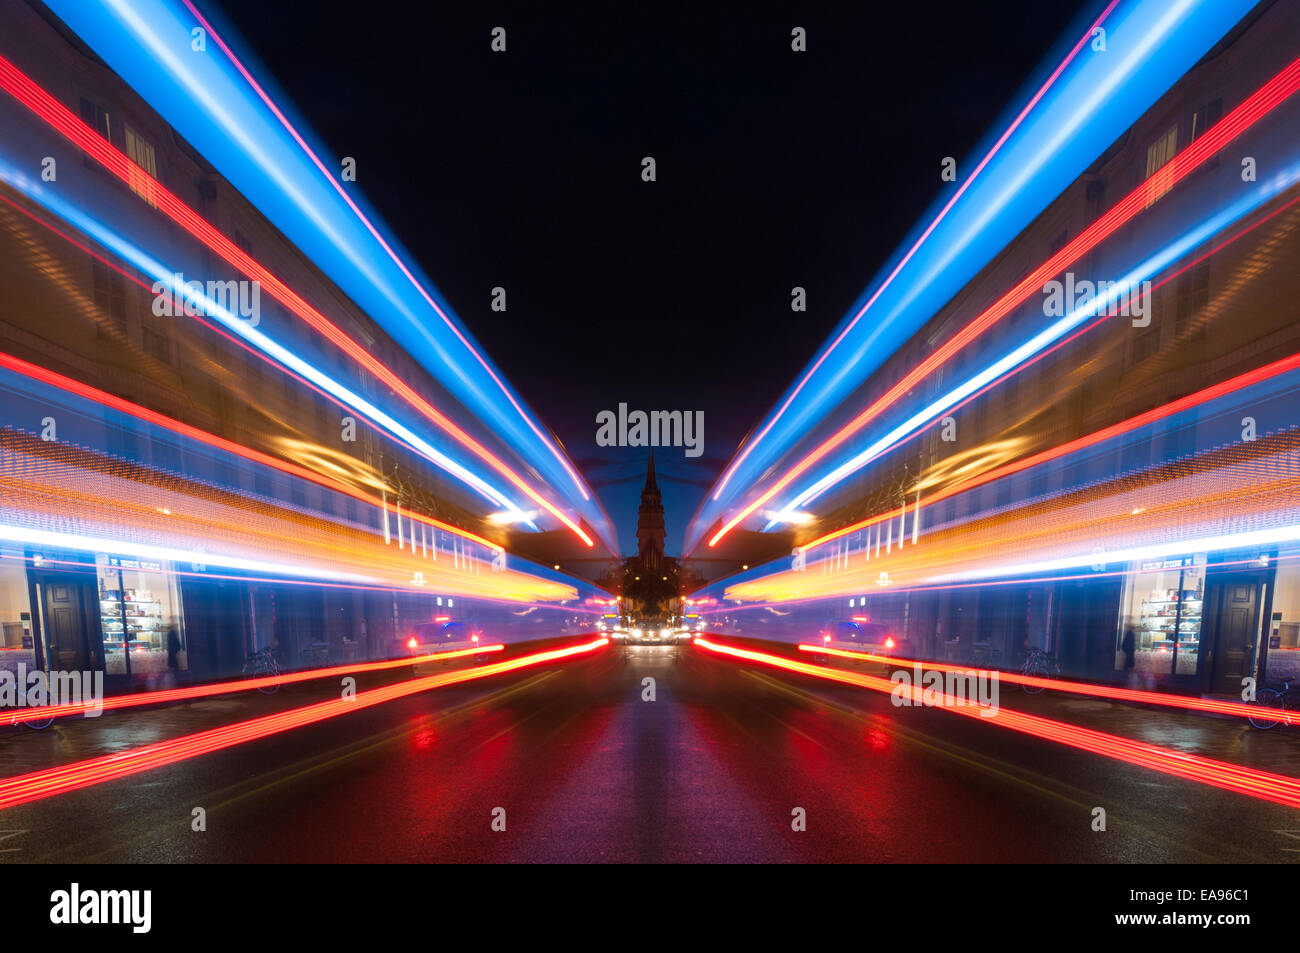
268	671
1273	709
269	674
1033	670
39	724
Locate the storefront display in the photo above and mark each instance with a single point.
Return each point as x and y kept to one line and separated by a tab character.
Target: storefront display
1163	603
138	608
17	642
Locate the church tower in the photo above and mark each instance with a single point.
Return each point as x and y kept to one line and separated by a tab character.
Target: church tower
650	522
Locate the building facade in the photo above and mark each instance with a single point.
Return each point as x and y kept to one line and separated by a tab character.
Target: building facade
185	476
1173	419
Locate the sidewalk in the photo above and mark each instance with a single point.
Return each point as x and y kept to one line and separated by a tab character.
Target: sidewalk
1223	737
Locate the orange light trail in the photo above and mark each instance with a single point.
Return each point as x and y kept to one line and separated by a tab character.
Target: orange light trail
1191	400
1229	490
27	369
49	782
1264	785
80	493
1141	420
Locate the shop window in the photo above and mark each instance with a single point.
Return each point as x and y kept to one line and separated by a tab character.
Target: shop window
1162	606
139	612
1283	630
17	634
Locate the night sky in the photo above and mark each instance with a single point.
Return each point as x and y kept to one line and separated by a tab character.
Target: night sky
775	169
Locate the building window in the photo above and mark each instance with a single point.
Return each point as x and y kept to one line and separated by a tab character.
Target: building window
110	299
1146	345
157	345
1159	154
1193	294
96	117
1202	120
141	152
1094	194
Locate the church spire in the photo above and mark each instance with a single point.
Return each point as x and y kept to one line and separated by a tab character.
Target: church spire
650	522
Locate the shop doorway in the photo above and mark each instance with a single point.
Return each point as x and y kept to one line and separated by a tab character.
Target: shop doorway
67	623
1236	625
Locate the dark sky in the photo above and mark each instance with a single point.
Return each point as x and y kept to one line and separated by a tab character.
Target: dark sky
775	169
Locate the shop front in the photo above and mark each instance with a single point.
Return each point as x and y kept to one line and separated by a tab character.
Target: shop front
1237	601
17	627
140	617
1159	635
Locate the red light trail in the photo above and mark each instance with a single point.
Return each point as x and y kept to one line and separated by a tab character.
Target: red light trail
244	684
1265	785
961	190
49	782
1254	107
1110	692
35	372
275	110
1205	395
56	115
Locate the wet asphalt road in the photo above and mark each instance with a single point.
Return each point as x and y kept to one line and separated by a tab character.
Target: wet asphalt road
711	770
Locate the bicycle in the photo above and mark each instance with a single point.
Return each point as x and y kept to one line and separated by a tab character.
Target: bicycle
1039	664
1271	699
36	724
262	664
